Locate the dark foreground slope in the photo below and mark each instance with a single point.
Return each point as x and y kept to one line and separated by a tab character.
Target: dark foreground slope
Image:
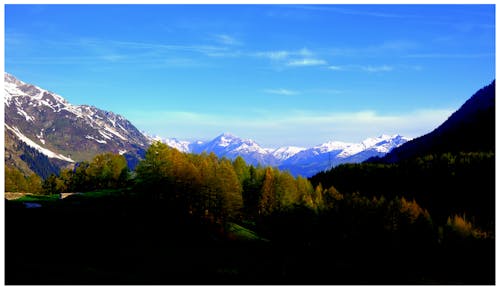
124	240
470	129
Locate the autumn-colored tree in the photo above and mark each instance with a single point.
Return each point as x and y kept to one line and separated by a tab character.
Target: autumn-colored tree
108	170
66	180
331	197
267	202
461	226
15	181
318	197
152	172
413	211
306	191
228	190
34	183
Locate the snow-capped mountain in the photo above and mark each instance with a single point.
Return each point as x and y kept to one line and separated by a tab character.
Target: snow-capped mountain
284	153
324	156
43	131
230	146
297	160
183	146
64	132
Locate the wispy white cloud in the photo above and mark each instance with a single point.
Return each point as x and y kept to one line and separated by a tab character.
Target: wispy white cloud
363	68
374	69
281	91
306	62
227	39
273	55
349	11
305	52
394	47
98	52
326	91
161	47
450	55
337	67
284	54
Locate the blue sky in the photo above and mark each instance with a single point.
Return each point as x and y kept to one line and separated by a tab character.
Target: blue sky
279	74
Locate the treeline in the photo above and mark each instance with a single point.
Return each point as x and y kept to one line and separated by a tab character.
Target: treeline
203	184
443	183
218	188
105	171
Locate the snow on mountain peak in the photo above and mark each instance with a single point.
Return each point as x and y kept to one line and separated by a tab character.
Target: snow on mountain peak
227	144
284	153
332	146
227	139
182	146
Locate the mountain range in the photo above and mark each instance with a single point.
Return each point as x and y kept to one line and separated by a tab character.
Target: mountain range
297	160
44	132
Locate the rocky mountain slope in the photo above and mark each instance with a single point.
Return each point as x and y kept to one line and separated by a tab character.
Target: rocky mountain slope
60	131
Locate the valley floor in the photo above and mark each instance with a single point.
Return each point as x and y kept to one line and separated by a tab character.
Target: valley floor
89	241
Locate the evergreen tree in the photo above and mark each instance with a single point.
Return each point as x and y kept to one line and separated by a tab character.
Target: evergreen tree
241	169
287	194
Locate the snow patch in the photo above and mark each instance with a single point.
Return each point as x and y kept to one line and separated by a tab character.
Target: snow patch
39	148
24	114
182	146
40	137
119	125
112	121
97	140
114	132
284	153
105	135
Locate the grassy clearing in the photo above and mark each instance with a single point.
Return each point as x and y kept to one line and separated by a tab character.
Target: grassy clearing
38	198
102	193
52	198
242	233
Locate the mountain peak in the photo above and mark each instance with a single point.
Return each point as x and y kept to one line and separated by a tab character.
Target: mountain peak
227	135
45	120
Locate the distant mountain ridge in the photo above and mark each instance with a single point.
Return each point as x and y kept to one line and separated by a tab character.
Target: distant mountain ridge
297	160
470	129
